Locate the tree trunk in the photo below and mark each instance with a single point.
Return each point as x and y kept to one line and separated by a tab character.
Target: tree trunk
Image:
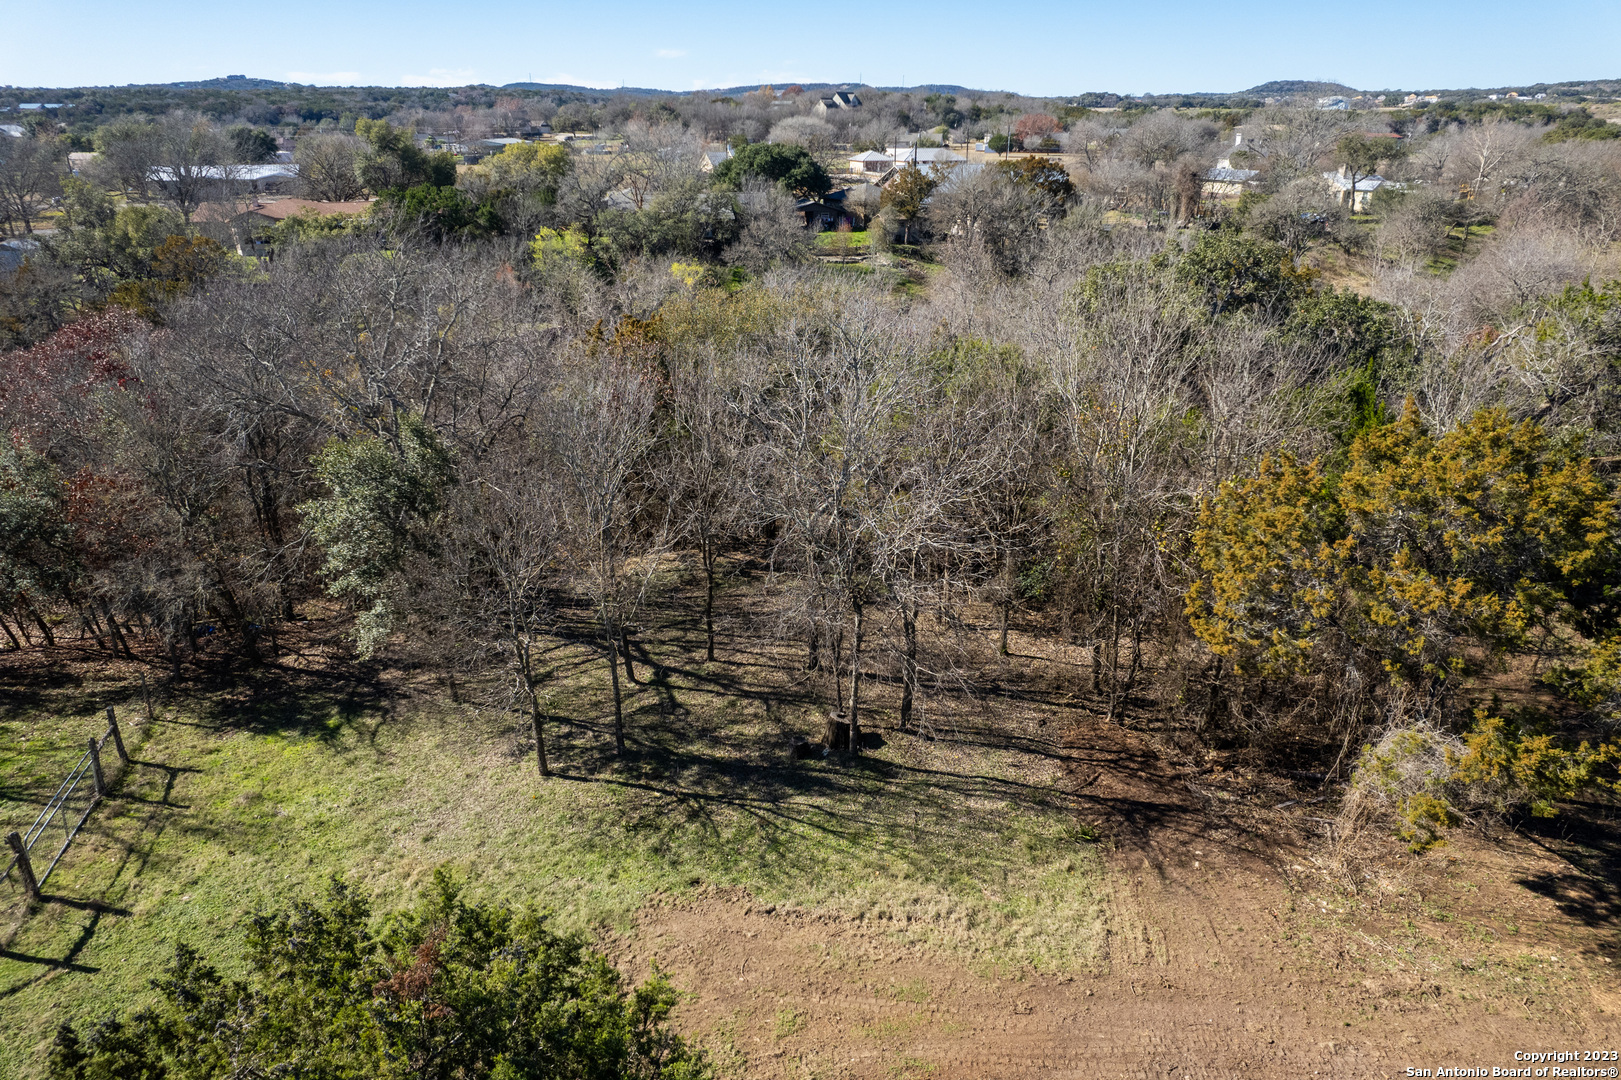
909	666
540	738
624	648
1007	600
39	621
611	640
709	600
813	648
838	668
1136	655
88	621
114	631
855	685
6	626
1114	660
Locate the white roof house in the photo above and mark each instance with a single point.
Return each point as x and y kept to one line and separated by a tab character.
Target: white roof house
280	170
924	155
870	161
244	177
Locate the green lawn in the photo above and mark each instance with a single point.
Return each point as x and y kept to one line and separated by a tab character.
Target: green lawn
835	239
256	786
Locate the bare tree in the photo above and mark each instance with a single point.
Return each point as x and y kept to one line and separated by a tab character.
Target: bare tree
30	176
1300	213
326	167
984	206
484	602
602	434
193	163
772	233
707	475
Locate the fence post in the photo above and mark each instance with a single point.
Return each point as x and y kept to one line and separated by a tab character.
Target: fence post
24	867
146	693
95	766
118	739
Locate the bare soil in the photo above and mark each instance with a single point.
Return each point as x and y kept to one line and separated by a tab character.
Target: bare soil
1231	951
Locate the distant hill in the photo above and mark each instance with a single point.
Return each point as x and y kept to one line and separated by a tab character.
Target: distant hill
228	82
569	88
1284	87
149	97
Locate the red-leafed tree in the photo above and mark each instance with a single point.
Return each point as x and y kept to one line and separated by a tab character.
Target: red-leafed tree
1035	129
48	391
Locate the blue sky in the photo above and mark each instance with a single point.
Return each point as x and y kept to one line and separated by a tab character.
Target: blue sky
1037	48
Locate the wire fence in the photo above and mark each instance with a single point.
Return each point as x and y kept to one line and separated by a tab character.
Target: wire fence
64	814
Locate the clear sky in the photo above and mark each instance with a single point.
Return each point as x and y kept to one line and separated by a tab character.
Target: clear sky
1041	48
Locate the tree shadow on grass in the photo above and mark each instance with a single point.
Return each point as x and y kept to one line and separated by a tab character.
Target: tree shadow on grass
269	699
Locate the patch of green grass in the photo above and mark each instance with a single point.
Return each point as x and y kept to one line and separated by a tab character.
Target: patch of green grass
787	1022
258	787
856	238
912	990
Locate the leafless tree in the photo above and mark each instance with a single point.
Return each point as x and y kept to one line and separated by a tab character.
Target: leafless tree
655	158
31	171
986	207
193	163
326	167
706	465
1300	213
1296	142
483	603
772	232
601	423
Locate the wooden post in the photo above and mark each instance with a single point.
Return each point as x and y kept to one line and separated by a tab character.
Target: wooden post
118	739
146	692
95	767
24	867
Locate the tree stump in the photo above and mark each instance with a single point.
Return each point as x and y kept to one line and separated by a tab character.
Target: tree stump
837	736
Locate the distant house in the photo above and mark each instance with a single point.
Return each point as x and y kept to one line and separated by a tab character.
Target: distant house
713	159
925	156
1355	195
836	102
78	159
829	212
1227	182
237	179
246	224
871	161
1335	102
14	130
13	253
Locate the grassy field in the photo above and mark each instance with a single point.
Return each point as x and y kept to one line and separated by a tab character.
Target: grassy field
254	785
